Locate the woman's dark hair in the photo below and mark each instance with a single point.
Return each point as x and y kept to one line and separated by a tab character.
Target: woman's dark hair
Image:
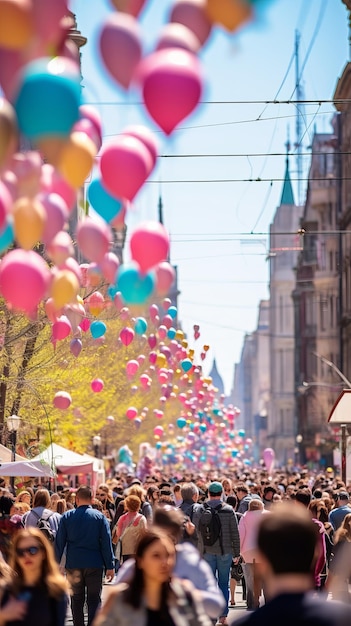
133	595
232	501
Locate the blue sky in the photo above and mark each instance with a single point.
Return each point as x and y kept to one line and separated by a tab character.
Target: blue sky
223	271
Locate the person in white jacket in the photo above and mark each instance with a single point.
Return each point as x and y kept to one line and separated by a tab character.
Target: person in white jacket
248	528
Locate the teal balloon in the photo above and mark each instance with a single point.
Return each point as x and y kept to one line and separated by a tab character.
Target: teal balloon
235	453
203	428
103	202
171	333
172	311
48	99
97	329
6	237
140	325
135	287
241	433
158	445
186	365
247	462
181	422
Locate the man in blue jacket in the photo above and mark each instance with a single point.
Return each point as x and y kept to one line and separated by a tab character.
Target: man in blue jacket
85	533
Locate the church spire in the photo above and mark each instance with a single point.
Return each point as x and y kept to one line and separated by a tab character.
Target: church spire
287	193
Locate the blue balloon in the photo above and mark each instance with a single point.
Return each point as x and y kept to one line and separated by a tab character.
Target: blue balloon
140	325
171	333
102	202
97	329
181	422
48	99
158	445
172	311
6	237
135	287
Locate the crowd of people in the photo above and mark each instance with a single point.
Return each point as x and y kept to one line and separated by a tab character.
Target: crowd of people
175	549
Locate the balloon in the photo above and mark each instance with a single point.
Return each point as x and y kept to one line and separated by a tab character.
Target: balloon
144	380
29	220
153	311
106	205
97	329
181	422
132	368
125	165
147	137
192	14
5	205
97	385
171	82
87	128
52	182
48	18
149	245
6	236
90	113
166	304
165	277
64	288
229	13
152	341
172	312
186	365
76	159
72	265
96	303
162	332
60	247
158	431
140	325
61	328
84	324
56	214
171	333
109	266
133	7
120	47
178	36
269	458
62	400
16	25
75	347
134	286
48	98
8	131
93	275
126	335
93	238
131	412
24	278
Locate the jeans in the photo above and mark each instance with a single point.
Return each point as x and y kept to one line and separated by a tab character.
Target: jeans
253	585
87	580
220	566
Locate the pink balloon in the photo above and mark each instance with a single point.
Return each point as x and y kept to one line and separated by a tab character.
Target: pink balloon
162	331
56	215
60	247
153	357
109	266
269	458
133	7
27	169
97	385
52	182
61	328
147	137
144	380
5	204
51	311
125	165
89	129
62	400
118	221
165	277
24	279
120	47
11	62
158	431
48	16
171	81
132	368
167	321
93	238
149	245
166	304
84	324
152	341
126	335
154	311
166	351
72	265
141	359
178	36
88	112
131	412
192	14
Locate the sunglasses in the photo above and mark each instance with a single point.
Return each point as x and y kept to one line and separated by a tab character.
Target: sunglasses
32	550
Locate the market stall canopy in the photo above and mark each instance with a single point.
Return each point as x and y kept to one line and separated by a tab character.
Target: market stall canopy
67	461
26	468
6	455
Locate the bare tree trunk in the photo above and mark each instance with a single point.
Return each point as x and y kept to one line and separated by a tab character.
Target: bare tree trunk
27	356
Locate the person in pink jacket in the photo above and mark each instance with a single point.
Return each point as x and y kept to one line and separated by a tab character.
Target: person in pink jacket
248	528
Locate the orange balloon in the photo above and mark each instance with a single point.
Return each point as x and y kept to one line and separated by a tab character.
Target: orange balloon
206	348
229	13
29	219
77	159
133	7
16	24
64	288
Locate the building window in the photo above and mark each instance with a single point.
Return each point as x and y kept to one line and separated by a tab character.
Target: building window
281	419
282	372
331	261
331	311
323	313
281	313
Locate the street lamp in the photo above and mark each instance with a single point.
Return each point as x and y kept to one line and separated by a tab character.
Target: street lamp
13	424
96	445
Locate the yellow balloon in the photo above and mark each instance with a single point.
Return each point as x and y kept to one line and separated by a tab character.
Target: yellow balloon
64	288
179	335
161	360
175	388
184	343
77	159
29	220
228	13
190	354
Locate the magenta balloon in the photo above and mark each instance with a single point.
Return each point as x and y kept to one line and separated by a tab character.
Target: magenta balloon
88	112
152	341
192	14
47	17
126	335
11	62
165	277
147	137
24	279
144	380
153	357
93	238
97	385
125	165
171	81
167	321
61	328
56	215
62	400
178	36
109	266
120	47
5	204
131	412
52	182
84	324
132	368
141	359
149	245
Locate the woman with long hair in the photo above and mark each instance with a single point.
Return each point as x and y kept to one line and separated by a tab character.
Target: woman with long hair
35	581
152	597
130	527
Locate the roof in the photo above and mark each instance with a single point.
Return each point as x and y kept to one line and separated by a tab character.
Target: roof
287	193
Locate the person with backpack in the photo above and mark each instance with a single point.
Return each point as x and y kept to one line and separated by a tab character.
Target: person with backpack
219	540
41	516
190	506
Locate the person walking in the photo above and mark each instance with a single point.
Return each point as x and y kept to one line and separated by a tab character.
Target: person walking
85	534
41	511
248	525
189	506
340	510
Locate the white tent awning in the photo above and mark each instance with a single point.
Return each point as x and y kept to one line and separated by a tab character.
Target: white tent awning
26	468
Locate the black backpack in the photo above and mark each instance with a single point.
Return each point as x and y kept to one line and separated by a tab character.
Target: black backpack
210	526
44	525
